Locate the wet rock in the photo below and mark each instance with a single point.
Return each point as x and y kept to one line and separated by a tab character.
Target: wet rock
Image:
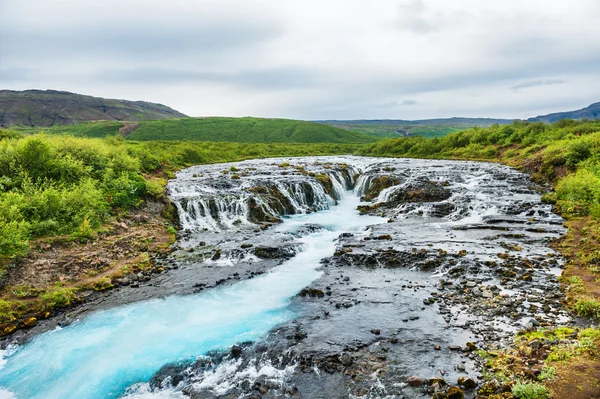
455	393
236	351
467	382
312	292
415	381
346	359
272	252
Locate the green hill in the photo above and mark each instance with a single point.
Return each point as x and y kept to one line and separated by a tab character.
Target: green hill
241	130
34	108
394	128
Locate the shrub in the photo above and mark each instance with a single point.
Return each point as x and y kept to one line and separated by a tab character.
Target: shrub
522	390
14	238
587	307
58	297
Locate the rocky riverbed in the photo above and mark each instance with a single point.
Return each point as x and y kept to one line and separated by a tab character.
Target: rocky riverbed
455	258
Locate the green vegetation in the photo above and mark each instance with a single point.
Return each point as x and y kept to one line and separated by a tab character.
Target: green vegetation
245	130
389	131
524	390
62	185
89	129
388	128
240	130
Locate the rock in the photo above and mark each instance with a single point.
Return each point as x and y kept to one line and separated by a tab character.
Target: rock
436	380
460	367
455	393
415	381
467	382
535	344
437	347
346	359
376	332
531	324
236	351
30	322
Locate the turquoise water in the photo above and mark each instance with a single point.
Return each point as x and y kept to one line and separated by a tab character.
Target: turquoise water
106	352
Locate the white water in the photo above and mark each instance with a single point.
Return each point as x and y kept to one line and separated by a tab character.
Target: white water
109	351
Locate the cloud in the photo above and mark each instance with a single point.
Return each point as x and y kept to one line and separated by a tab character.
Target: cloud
537	83
403	59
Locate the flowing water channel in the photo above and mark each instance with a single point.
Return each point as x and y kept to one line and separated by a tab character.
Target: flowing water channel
271	231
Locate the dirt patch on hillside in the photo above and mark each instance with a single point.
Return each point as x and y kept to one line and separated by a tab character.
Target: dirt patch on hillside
123	241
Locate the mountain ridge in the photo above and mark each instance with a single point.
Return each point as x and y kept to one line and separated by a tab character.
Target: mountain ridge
46	108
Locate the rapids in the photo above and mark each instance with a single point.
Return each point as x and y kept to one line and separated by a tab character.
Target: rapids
290	217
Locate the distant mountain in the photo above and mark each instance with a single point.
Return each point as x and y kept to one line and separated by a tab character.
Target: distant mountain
591	112
403	128
45	108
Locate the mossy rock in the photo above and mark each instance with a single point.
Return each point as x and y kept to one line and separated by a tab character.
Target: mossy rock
455	393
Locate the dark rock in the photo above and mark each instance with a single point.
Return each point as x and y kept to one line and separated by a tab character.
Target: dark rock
415	381
467	382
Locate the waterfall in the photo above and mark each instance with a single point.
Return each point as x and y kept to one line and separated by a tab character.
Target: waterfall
215	201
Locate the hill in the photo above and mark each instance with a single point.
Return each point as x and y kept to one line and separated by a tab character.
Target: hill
241	130
592	112
406	128
51	108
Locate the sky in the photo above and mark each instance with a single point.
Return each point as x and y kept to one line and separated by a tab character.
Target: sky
326	59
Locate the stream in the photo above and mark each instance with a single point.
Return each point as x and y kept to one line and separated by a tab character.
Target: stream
315	277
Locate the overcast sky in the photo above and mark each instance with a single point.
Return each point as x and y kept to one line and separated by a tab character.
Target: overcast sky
326	59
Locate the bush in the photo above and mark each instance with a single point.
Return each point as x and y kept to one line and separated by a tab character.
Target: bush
522	390
578	192
57	297
14	238
587	307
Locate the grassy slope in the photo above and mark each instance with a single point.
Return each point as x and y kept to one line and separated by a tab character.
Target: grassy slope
566	155
403	128
240	130
395	131
246	130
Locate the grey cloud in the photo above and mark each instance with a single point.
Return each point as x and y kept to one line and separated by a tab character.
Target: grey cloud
140	42
10	75
412	17
270	78
537	83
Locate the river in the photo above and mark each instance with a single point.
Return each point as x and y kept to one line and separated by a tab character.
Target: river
258	233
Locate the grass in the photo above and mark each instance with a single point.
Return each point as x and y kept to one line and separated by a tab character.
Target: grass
215	129
401	130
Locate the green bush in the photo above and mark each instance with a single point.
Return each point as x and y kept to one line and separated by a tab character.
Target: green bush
523	390
14	238
587	307
578	193
58	297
